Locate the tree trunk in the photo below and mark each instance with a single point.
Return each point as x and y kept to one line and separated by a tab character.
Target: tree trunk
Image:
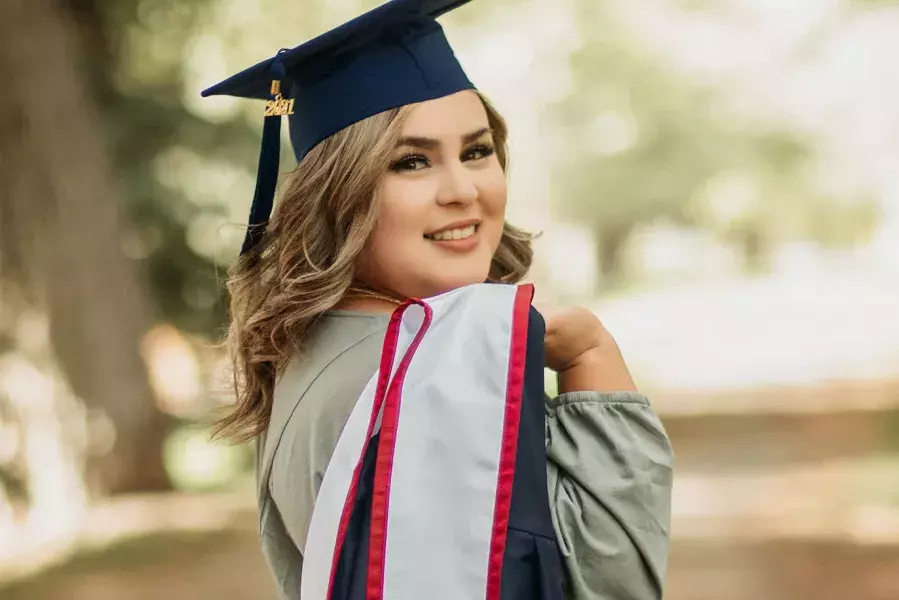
65	217
610	243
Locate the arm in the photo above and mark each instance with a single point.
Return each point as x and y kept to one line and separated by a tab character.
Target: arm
609	466
599	369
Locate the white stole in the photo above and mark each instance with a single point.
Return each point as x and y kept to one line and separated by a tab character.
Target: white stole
447	403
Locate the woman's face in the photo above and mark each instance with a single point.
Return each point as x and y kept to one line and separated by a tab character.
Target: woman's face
442	202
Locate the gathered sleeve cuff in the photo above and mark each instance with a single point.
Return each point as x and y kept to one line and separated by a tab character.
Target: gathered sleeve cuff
610	467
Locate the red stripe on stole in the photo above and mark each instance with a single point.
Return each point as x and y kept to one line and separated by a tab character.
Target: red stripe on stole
377	552
388	354
509	446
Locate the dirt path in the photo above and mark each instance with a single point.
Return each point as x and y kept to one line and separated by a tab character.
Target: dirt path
225	564
229	566
168	566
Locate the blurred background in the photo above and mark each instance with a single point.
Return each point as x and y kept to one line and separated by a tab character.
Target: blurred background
716	178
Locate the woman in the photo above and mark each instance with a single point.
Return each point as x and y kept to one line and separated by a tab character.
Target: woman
400	194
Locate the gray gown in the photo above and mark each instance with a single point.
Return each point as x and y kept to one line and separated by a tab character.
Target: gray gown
609	467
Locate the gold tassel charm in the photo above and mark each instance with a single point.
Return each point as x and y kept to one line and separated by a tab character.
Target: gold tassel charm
280	106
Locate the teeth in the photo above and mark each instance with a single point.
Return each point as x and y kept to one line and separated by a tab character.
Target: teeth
454	234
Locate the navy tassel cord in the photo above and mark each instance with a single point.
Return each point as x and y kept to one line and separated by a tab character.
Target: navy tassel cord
269	163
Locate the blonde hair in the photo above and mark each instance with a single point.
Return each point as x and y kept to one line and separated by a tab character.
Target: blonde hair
304	264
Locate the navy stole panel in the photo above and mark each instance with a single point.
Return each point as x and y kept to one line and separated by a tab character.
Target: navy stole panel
532	567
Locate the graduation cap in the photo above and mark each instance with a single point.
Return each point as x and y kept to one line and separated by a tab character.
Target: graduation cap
391	56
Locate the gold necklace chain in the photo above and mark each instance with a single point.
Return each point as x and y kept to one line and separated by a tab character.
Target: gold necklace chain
369	293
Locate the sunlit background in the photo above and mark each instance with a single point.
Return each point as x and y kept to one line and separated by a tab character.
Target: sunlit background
717	178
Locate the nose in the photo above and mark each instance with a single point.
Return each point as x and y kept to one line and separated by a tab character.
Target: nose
457	186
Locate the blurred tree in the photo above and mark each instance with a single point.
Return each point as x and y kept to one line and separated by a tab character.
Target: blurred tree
134	65
63	236
641	144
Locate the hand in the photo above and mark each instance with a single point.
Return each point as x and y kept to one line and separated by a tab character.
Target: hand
580	349
570	332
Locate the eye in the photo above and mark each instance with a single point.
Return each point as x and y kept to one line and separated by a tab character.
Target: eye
411	162
480	151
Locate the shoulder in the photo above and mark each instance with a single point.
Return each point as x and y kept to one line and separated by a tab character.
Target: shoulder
334	343
313	399
342	351
342	354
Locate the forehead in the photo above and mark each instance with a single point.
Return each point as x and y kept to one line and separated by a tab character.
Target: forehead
450	116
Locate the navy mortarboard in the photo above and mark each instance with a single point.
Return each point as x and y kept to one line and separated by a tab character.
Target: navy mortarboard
391	56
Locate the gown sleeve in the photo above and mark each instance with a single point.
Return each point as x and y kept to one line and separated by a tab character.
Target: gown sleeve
609	466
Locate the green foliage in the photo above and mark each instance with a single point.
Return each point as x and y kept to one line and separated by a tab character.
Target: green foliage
196	464
641	144
185	284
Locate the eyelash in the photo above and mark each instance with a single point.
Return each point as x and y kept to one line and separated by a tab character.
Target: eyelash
485	150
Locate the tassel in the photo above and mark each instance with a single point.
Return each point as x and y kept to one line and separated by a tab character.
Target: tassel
269	158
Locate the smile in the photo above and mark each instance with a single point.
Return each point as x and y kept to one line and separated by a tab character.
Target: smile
460	233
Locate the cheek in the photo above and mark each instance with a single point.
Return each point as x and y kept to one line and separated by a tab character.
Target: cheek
401	213
401	221
495	199
493	194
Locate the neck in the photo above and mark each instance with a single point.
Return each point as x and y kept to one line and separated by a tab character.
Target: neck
363	297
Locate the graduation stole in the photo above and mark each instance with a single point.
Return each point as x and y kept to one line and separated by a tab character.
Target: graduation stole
446	401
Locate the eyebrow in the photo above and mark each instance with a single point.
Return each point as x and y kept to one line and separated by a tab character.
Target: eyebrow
430	143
